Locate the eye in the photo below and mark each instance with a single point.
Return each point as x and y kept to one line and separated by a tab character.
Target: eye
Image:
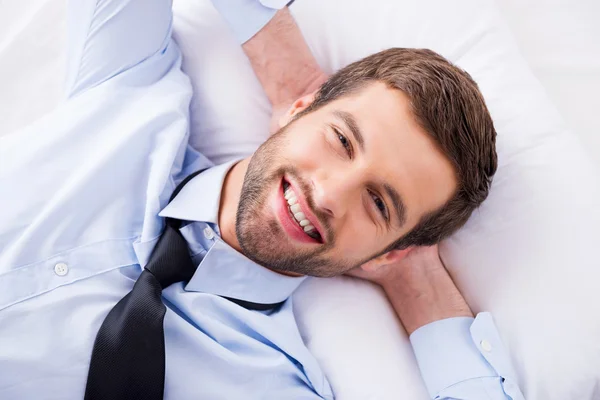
380	204
344	141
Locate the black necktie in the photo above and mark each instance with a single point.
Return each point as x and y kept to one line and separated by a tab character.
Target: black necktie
128	359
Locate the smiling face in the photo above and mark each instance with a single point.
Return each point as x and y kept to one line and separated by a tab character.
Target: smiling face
336	186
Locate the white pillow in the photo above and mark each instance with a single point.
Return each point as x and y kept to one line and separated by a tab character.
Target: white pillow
528	254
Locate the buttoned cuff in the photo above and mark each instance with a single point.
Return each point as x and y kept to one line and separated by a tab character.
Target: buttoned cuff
247	17
454	350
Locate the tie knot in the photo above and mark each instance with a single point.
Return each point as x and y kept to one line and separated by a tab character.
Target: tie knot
171	261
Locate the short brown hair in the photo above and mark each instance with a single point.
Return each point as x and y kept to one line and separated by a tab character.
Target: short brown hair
448	105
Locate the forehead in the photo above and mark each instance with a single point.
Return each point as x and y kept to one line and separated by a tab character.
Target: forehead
397	150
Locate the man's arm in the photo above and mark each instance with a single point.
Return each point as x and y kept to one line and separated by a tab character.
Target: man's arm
460	357
282	61
421	291
109	37
280	57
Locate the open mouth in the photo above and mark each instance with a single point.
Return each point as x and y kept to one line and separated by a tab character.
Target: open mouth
296	214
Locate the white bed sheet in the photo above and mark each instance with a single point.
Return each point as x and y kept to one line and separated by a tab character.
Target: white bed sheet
32	60
559	39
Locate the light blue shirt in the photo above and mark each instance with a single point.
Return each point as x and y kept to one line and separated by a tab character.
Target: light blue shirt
79	218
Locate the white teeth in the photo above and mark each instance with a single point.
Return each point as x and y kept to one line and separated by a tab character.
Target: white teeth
308	228
295	208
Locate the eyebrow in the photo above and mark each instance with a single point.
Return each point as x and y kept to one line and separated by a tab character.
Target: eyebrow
397	202
352	125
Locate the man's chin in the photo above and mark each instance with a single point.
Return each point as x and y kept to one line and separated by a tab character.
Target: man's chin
287	273
274	252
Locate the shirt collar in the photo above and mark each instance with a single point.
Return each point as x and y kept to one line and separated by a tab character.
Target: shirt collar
223	270
228	273
199	199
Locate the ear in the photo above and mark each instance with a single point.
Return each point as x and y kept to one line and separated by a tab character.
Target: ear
385	259
298	106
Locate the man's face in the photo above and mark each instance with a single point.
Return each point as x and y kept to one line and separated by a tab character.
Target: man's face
359	170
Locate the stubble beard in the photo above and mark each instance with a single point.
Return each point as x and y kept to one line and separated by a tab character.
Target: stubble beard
261	238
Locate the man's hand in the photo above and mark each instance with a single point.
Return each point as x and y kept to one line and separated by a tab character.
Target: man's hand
419	288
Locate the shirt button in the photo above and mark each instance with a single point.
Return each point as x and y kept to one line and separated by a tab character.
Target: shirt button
61	269
485	345
208	233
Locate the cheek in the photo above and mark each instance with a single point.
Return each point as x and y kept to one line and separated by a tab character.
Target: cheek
356	240
306	148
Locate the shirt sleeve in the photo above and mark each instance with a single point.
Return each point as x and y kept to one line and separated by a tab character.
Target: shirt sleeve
247	17
109	37
464	358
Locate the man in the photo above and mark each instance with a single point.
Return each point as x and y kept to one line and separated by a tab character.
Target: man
102	298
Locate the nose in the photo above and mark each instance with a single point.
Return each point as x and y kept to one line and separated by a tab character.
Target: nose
335	192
